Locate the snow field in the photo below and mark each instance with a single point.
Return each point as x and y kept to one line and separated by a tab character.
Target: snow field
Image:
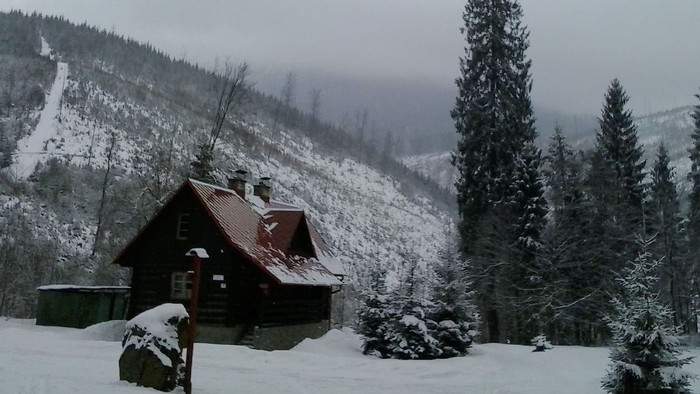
32	148
35	359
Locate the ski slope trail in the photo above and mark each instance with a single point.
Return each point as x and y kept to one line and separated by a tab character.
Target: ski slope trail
41	143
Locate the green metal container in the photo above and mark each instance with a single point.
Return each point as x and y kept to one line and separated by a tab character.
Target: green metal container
80	306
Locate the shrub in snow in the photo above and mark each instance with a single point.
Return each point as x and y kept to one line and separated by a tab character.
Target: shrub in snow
405	328
412	337
453	331
375	325
646	354
454	311
541	343
152	347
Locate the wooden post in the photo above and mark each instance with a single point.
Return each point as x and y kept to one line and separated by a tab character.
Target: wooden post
197	255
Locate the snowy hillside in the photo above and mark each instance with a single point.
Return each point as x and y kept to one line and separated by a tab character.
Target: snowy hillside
109	147
35	359
358	209
437	166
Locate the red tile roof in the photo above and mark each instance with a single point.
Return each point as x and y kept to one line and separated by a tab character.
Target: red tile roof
264	234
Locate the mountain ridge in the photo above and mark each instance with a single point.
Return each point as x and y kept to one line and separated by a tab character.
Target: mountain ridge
673	127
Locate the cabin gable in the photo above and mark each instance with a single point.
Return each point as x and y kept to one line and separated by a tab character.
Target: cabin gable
255	276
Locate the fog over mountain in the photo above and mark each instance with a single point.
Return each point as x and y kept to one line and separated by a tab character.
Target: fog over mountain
399	60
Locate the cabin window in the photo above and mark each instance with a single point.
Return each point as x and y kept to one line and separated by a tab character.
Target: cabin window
183	226
181	285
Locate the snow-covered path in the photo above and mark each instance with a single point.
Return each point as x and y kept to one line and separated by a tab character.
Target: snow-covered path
38	145
35	359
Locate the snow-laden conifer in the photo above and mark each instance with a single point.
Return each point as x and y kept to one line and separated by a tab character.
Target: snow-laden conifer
413	335
403	324
693	226
375	318
646	353
498	165
454	312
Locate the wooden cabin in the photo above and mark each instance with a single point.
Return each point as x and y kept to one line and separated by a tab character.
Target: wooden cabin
269	277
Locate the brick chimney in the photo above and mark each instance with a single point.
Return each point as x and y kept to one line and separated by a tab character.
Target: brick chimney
262	189
237	183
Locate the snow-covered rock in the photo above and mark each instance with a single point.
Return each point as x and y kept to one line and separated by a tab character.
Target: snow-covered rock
152	347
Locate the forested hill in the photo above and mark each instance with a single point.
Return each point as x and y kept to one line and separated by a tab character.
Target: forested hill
98	130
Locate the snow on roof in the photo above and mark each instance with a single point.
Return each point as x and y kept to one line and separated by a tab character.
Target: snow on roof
249	230
83	288
323	254
275	205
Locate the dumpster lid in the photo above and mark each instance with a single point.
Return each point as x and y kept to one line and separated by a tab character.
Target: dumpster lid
85	289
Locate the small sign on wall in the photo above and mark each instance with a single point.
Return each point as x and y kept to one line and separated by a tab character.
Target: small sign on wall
218	278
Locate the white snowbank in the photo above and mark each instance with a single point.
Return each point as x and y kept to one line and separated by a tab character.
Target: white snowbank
112	330
36	359
334	343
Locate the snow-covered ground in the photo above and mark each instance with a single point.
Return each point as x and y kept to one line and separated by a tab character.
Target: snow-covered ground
42	141
36	359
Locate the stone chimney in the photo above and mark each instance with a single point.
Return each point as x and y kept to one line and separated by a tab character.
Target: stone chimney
237	183
262	189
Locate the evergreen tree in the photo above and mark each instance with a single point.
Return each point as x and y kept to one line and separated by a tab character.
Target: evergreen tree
573	280
665	222
646	356
375	319
201	167
617	142
413	335
526	198
563	174
454	313
693	227
615	189
694	178
495	156
5	149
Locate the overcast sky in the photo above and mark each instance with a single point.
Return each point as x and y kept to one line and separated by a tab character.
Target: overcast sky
577	46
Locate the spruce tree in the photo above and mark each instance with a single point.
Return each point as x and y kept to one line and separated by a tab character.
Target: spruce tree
615	189
574	279
617	141
495	155
646	354
375	325
454	313
6	149
693	227
413	334
201	167
665	222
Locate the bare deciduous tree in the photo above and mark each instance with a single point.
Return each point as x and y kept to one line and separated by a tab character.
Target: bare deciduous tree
315	107
105	183
286	100
232	88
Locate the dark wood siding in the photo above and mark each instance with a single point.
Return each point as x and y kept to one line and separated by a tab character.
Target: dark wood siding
238	298
157	253
295	304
